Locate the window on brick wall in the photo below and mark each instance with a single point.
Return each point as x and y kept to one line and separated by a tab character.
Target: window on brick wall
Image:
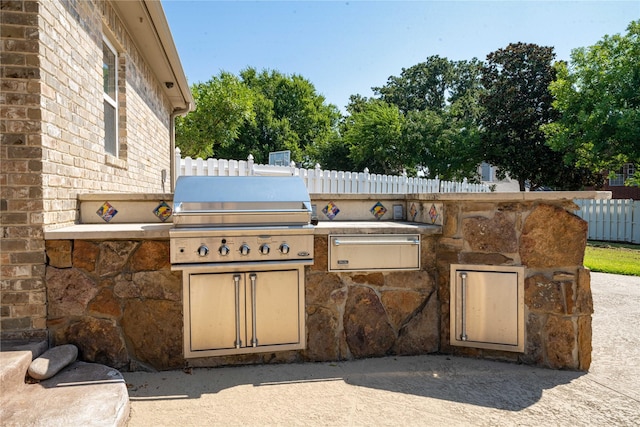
619	178
110	79
485	169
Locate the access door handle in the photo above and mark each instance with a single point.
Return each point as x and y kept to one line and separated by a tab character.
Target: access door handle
463	291
254	340
236	282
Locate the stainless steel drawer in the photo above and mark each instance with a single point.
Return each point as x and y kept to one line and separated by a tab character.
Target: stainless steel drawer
487	307
367	252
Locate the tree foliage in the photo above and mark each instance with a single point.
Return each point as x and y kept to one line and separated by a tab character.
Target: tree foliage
373	135
441	145
223	105
439	100
515	104
256	113
598	96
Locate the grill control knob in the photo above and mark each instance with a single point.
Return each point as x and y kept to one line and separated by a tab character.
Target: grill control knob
203	250
244	249
284	248
264	249
224	250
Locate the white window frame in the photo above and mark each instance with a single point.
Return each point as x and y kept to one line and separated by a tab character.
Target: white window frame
111	101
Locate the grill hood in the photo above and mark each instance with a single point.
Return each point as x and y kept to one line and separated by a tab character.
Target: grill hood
209	201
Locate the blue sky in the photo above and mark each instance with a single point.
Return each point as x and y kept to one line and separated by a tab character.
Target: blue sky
346	47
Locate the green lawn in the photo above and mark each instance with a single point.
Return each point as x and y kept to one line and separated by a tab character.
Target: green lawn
616	258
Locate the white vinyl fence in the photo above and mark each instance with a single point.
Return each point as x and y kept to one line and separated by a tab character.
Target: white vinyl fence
322	181
616	220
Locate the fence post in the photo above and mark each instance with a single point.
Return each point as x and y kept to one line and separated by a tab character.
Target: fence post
177	164
635	222
250	164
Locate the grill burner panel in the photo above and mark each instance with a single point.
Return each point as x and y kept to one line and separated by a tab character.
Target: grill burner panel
240	247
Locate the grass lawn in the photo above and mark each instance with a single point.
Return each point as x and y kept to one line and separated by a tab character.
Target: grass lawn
616	258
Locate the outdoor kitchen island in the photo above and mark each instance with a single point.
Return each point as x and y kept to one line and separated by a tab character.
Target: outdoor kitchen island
112	292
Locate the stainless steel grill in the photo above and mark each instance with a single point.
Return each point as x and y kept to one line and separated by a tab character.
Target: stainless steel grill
235	219
242	244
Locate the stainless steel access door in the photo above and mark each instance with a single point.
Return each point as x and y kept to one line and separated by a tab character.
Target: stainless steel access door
370	252
243	312
487	307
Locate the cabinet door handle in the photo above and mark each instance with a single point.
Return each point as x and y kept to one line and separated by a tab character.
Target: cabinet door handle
463	290
254	340
236	282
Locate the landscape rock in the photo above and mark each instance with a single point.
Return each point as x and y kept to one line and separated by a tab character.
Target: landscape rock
85	255
99	341
322	330
154	330
68	292
53	361
552	237
59	253
113	257
560	343
421	333
497	234
151	255
400	305
543	295
367	329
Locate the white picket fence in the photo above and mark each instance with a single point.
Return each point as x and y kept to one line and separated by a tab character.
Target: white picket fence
323	181
615	220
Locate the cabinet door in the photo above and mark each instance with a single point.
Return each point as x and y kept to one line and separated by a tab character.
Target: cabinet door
213	308
491	307
487	307
273	305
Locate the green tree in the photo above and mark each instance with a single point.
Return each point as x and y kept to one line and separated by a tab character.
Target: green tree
373	135
223	105
420	87
290	115
598	96
441	145
439	99
256	113
515	104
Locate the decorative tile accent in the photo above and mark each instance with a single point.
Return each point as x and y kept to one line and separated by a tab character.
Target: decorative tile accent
413	211
106	212
163	211
331	210
378	210
433	214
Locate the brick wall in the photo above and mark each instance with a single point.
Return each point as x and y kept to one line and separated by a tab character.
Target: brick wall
52	136
22	255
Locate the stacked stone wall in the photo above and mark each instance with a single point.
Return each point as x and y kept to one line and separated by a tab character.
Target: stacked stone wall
117	301
367	314
549	241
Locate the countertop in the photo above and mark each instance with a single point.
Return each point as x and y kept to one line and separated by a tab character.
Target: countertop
155	231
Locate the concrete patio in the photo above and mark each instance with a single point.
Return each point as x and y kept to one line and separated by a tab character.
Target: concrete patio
420	390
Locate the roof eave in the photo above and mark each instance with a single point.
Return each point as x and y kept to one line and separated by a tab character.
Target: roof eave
147	24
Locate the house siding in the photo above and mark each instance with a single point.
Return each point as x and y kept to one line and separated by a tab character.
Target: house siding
52	142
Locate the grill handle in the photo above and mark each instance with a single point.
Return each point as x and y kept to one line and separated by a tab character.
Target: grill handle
463	285
338	242
254	340
220	212
236	282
